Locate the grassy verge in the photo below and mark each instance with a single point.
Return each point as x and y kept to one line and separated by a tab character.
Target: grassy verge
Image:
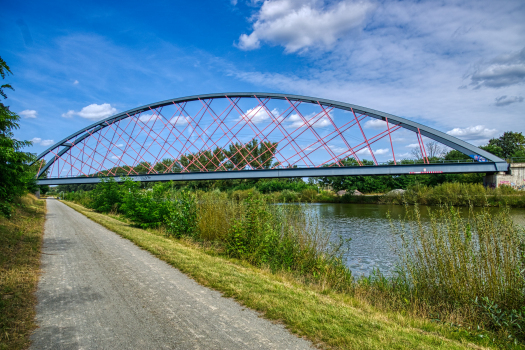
328	319
20	243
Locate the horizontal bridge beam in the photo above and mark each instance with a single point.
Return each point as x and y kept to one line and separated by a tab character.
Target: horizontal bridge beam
412	169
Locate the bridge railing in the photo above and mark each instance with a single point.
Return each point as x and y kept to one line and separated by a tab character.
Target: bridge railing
402	162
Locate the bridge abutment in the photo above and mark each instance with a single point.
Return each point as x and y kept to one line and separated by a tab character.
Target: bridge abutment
514	178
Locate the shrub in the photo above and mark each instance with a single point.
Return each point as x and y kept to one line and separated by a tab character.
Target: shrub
106	196
181	219
308	195
288	196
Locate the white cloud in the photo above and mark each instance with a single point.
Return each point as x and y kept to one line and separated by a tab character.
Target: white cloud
377	152
312	120
507	100
179	120
258	115
337	149
120	145
69	114
97	112
75	82
410	61
47	142
300	24
478	132
39	141
146	118
29	113
413	145
93	112
504	70
375	124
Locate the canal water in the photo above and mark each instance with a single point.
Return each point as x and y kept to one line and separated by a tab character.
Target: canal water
372	244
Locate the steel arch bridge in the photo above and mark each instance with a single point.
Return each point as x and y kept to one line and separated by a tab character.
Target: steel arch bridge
250	135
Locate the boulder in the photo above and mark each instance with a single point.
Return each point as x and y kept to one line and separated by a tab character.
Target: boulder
356	193
341	193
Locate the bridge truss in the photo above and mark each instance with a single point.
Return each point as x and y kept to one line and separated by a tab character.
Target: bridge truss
251	135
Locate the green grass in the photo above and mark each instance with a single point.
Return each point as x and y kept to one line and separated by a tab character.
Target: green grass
20	244
329	319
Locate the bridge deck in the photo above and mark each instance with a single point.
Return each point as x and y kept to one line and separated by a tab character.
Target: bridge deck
407	169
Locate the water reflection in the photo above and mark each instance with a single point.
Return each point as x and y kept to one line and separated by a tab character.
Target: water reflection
373	244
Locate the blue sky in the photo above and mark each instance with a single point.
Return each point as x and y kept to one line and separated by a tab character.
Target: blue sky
458	66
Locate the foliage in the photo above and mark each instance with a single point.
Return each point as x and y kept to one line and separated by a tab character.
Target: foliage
106	196
458	194
512	144
16	176
475	263
182	217
511	321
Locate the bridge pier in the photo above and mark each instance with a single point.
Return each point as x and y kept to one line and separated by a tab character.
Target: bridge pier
514	178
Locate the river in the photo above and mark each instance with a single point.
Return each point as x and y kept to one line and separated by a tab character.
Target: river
372	242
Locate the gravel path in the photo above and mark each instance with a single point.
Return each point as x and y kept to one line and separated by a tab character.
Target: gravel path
100	291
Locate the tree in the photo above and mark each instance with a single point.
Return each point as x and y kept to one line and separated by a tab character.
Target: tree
15	173
433	149
512	144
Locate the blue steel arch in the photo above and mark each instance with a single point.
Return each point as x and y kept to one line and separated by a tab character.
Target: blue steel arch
490	162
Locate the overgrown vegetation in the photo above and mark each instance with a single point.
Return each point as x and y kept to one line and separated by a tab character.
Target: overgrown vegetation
16	175
20	244
330	319
458	194
471	270
468	274
245	225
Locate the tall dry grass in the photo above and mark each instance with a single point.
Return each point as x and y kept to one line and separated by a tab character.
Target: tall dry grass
461	265
20	243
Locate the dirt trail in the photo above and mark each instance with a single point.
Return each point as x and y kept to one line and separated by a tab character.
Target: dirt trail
100	291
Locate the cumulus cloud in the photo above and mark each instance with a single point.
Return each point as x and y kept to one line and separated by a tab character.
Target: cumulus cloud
295	121
75	82
478	132
179	120
258	115
146	118
507	100
29	113
69	114
504	70
39	141
377	152
375	124
93	112
300	24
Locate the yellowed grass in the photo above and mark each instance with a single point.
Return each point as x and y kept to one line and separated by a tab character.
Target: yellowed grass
330	320
20	244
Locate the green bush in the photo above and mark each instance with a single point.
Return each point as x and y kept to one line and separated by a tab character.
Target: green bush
308	195
283	237
288	196
181	219
106	196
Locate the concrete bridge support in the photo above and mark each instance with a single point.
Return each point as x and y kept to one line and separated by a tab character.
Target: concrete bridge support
514	178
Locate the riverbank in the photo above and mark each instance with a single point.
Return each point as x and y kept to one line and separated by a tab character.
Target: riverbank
329	318
20	245
454	194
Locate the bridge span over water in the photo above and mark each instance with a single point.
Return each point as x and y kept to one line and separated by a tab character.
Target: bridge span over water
251	135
